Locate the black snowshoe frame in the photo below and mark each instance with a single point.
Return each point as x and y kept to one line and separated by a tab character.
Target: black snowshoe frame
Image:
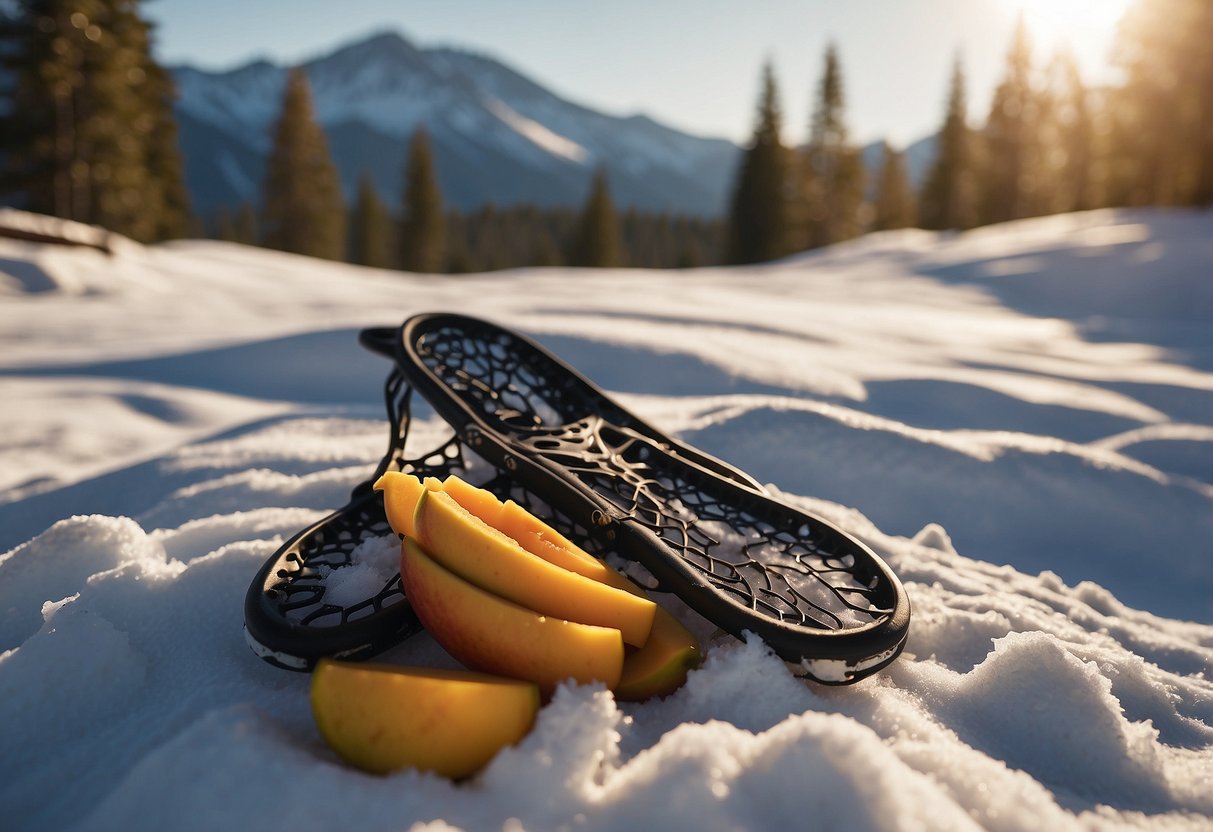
559	446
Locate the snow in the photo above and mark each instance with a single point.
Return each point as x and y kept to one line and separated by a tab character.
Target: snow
1018	419
541	136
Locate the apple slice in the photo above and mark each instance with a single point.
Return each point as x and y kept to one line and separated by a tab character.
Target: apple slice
381	718
490	634
490	559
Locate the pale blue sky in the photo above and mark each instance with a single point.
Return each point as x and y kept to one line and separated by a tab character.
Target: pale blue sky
692	64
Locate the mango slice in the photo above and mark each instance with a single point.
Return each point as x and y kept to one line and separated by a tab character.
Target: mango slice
660	667
488	633
540	539
400	495
490	559
381	718
656	669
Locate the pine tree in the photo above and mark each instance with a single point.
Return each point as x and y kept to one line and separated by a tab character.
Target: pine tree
244	226
543	249
596	240
370	228
1009	182
422	226
947	198
833	168
759	213
894	206
1163	132
164	156
224	227
1067	134
301	204
87	132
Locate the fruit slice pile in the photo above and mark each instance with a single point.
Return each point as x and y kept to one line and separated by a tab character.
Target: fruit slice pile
505	593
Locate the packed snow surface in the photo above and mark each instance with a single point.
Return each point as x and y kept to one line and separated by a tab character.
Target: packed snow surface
1018	419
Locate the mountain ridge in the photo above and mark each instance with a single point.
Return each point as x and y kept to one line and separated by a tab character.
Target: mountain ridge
498	135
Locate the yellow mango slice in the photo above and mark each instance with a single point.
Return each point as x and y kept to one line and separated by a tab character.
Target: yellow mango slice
400	495
656	669
493	635
660	667
490	559
381	718
540	539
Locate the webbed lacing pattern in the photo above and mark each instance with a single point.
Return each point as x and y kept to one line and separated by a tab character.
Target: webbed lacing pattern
783	567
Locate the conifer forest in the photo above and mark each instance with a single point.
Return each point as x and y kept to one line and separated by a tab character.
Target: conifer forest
87	133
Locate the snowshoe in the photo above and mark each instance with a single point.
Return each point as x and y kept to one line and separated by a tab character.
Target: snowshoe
703	529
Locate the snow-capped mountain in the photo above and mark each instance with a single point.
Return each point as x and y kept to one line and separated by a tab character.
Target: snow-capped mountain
497	135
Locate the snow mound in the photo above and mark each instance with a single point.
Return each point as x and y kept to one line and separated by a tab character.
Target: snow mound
1038	474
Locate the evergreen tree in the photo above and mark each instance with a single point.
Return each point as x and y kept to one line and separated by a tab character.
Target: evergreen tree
244	226
833	168
422	226
225	227
86	132
759	213
523	235
164	156
302	207
596	241
1067	134
543	249
1009	182
894	199
370	228
946	200
1163	133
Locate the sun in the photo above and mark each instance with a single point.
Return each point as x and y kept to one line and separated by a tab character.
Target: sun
1072	22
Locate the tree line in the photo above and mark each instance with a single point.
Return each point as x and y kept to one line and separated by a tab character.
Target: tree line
303	211
87	133
1049	144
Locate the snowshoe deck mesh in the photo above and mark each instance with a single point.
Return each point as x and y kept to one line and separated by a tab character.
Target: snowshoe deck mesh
610	483
289	622
704	530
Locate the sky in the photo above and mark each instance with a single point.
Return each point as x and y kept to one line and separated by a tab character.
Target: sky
691	64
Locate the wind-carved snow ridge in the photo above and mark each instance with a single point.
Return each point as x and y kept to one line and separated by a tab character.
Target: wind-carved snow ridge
1040	480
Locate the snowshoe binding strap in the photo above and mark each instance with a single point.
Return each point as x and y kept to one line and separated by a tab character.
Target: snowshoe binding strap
706	531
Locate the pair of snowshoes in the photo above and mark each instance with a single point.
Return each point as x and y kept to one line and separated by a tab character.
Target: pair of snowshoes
529	428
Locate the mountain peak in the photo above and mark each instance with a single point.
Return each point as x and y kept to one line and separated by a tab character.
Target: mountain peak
498	135
378	42
385	46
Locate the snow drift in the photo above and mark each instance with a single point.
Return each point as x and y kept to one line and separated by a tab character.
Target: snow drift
1017	419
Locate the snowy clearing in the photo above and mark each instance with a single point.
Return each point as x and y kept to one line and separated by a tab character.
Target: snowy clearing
1019	420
